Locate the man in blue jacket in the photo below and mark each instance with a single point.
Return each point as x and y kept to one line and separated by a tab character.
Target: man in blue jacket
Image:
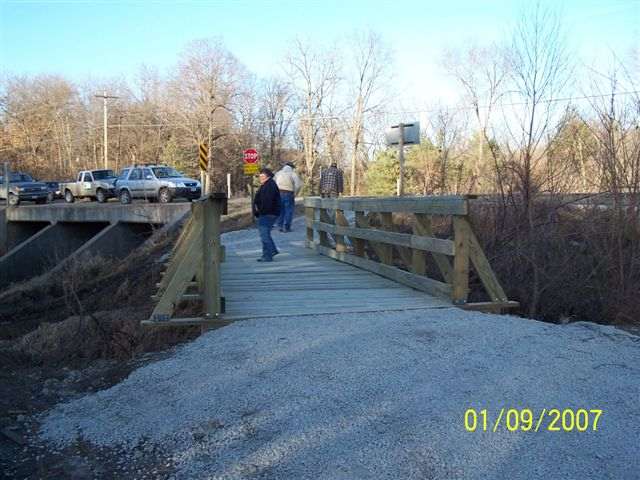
266	207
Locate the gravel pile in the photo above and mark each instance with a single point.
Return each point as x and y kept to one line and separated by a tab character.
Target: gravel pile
372	396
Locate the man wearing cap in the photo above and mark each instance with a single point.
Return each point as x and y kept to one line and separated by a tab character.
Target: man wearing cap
266	207
289	184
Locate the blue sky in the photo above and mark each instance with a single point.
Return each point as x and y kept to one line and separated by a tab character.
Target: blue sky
94	39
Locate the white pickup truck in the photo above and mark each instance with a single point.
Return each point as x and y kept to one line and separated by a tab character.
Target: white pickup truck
93	184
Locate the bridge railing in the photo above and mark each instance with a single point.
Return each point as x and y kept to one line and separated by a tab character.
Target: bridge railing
361	243
193	271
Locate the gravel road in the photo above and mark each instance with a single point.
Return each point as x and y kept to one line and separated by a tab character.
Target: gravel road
371	396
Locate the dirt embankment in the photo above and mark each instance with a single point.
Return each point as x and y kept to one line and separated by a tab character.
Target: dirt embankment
77	332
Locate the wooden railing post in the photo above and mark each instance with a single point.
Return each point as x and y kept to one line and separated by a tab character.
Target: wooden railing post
324	236
198	253
386	250
358	244
419	257
342	221
309	213
213	208
460	282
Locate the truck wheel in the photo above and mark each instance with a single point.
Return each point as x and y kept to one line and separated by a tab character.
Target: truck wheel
100	196
68	196
125	197
14	200
164	195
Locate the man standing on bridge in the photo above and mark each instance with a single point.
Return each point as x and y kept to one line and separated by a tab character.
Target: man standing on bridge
289	184
266	207
331	182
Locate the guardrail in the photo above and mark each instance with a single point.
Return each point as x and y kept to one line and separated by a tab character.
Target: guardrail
339	239
194	264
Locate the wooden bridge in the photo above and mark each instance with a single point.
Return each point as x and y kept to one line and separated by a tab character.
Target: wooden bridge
355	258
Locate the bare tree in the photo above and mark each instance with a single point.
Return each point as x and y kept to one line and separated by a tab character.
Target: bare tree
447	129
203	93
315	76
482	72
37	116
616	133
277	112
540	70
371	73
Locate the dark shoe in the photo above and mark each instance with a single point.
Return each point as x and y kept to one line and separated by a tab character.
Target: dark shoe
276	253
264	259
286	230
281	229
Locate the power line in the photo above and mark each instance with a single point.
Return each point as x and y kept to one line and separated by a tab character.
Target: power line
371	114
396	112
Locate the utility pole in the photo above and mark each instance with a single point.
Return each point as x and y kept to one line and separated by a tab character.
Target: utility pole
104	96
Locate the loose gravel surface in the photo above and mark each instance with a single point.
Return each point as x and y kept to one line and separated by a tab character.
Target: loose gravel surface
358	396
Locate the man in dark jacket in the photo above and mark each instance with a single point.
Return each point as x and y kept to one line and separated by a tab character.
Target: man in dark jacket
266	207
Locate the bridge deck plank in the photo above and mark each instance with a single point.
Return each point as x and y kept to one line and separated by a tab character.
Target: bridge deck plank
301	282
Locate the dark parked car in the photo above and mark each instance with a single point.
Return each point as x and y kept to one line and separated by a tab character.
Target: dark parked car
22	187
54	191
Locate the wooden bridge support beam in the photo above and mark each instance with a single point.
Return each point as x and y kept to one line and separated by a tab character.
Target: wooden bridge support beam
460	261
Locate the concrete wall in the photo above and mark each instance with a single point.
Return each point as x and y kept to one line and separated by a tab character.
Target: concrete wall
96	212
36	239
18	232
44	250
116	241
12	234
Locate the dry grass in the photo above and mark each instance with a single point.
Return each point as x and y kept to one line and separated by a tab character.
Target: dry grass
114	334
93	308
574	264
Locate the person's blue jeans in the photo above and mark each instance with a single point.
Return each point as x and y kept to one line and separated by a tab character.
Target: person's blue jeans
265	223
287	204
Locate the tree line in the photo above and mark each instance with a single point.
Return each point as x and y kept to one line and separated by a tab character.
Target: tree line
513	132
52	126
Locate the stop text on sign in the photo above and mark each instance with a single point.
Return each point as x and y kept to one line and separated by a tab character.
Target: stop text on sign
250	155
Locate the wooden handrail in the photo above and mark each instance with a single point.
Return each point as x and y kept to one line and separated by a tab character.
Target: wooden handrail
197	255
427	243
325	219
434	205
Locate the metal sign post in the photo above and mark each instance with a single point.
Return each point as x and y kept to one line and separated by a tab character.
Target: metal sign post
250	157
401	135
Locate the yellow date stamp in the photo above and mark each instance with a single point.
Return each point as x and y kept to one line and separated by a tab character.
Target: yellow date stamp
528	420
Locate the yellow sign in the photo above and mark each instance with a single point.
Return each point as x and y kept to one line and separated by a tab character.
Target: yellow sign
204	157
251	168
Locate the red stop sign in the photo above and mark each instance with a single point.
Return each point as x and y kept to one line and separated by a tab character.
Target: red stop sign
250	155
